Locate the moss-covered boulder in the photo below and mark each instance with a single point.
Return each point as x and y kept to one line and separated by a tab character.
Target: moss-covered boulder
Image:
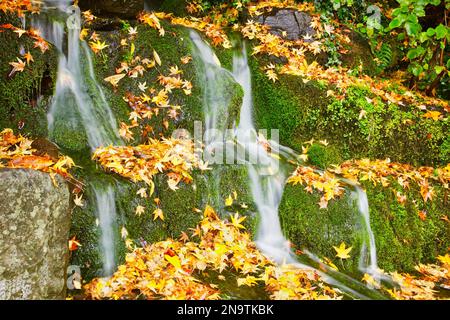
402	238
358	126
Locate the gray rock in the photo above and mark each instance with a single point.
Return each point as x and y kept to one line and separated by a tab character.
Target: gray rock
295	23
34	231
120	8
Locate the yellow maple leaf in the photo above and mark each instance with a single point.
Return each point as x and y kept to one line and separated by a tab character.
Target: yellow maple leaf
139	210
114	80
158	213
342	251
28	57
435	115
228	201
367	278
445	259
18	66
175	261
98	46
236	221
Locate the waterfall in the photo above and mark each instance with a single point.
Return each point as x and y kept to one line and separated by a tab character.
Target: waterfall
106	210
216	100
267	176
267	181
370	267
89	111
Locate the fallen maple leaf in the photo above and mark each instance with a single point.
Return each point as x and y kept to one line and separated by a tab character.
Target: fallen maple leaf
142	192
157	58
28	57
435	115
228	201
158	213
342	251
114	80
139	210
78	201
18	66
97	46
74	244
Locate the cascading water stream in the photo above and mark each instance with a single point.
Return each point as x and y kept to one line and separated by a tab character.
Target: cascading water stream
89	111
267	189
268	175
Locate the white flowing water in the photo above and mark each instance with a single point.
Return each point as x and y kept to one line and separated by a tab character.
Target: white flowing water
367	264
216	100
267	176
80	104
106	210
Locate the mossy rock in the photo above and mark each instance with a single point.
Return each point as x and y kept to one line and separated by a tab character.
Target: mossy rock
25	96
302	110
318	230
402	239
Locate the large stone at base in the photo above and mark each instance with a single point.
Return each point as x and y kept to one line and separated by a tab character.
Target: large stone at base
34	230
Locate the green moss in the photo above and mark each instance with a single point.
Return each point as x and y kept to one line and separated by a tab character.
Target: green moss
25	96
359	55
403	239
69	136
318	230
323	156
177	7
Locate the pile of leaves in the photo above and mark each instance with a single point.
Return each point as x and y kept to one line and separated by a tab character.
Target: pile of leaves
174	157
16	151
423	286
383	172
324	182
20	7
170	269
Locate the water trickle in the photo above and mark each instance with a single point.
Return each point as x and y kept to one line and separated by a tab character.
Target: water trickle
367	261
216	101
267	175
79	103
106	209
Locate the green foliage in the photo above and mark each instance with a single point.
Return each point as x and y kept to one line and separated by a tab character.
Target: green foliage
343	9
422	39
384	56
